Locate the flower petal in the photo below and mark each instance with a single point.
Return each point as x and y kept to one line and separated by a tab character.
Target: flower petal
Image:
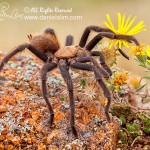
130	24
119	21
127	22
110	22
138	28
122	23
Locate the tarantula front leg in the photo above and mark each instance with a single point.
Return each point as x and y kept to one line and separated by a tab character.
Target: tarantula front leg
20	48
87	32
47	67
110	35
97	38
67	78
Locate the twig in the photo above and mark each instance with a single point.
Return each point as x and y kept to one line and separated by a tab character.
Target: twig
145	109
134	140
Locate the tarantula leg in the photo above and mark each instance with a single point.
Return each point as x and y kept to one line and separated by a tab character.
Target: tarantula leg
20	48
50	31
123	54
97	38
105	90
80	64
135	41
98	76
47	67
129	39
102	61
87	32
67	78
69	40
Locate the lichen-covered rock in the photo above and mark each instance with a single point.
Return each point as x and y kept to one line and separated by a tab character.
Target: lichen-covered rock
25	122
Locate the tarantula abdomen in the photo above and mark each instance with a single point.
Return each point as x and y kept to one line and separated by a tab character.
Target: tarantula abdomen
45	42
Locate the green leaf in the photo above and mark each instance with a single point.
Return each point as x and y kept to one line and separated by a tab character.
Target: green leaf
83	83
147	77
141	87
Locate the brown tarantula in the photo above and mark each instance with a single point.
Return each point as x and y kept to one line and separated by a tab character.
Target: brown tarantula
46	47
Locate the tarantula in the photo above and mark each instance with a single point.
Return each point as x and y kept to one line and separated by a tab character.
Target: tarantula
47	48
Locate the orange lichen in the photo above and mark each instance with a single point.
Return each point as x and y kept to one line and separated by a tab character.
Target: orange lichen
58	117
35	115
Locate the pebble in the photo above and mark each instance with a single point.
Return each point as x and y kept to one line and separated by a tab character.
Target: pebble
146	147
1	83
1	92
13	65
2	78
29	67
87	135
66	106
2	108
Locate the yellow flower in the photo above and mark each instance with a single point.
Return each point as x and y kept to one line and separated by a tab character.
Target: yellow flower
134	81
148	53
138	50
109	54
124	28
141	50
120	79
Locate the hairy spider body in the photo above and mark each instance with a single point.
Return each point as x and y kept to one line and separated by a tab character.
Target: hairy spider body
71	51
45	42
46	47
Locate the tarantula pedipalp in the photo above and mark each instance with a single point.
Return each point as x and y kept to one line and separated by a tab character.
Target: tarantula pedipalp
46	47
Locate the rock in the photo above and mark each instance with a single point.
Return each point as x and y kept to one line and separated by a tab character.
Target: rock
13	65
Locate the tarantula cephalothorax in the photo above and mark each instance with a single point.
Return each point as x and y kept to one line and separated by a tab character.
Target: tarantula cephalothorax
46	47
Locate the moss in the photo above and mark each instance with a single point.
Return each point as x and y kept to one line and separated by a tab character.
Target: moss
133	130
117	111
124	111
133	127
83	83
146	129
62	98
122	135
123	119
145	123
